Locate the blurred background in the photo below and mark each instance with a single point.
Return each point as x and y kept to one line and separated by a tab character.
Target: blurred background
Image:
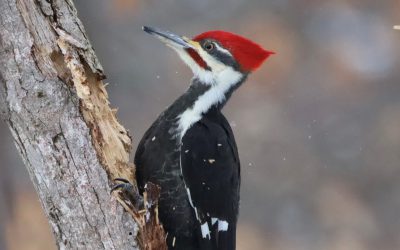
318	126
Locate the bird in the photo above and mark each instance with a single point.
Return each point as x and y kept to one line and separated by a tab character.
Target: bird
190	149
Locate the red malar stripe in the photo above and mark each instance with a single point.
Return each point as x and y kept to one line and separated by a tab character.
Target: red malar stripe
197	58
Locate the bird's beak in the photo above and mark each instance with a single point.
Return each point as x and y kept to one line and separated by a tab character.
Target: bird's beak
171	39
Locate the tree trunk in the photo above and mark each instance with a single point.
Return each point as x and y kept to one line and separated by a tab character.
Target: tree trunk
53	99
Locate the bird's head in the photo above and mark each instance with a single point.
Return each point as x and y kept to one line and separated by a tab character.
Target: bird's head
214	56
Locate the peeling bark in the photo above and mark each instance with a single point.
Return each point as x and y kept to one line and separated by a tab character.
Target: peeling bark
54	101
151	233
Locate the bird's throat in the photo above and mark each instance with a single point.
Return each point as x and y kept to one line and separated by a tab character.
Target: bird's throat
208	96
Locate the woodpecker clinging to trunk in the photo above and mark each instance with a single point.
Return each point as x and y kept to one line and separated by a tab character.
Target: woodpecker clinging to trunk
190	150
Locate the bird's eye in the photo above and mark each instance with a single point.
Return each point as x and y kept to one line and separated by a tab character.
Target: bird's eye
209	46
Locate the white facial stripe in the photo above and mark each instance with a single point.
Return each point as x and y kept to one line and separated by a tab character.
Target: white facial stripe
213	63
203	75
221	78
225	51
224	80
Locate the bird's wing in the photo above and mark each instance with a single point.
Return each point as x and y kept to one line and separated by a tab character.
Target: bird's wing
139	158
211	171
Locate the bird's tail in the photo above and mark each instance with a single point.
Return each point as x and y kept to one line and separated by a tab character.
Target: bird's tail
225	240
220	238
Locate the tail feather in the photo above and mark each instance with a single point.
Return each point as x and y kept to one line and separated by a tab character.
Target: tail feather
219	239
226	240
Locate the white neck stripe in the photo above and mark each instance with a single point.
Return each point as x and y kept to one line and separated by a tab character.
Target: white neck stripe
203	75
224	80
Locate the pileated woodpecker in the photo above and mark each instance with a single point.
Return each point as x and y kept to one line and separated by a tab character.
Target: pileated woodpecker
190	150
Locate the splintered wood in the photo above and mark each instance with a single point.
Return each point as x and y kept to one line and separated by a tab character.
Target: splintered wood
113	145
151	234
109	137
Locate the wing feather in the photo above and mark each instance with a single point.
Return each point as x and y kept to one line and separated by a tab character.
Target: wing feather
211	171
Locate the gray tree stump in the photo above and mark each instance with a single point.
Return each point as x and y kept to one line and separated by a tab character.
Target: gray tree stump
54	101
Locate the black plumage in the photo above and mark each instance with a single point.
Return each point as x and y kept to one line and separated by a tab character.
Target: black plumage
208	155
190	150
211	170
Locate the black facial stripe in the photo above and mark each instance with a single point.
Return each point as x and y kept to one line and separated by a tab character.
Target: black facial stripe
220	55
225	58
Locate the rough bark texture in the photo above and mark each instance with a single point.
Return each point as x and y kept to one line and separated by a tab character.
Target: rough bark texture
54	101
151	233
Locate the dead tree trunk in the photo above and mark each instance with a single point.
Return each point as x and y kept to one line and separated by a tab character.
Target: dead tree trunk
54	101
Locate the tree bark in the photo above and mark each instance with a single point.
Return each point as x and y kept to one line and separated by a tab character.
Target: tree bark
54	101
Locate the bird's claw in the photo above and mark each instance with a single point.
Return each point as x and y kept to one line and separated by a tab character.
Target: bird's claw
124	186
121	180
128	192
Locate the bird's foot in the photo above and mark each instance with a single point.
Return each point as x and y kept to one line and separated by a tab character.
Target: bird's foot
129	193
144	210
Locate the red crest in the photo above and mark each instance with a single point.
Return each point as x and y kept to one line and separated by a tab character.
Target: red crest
247	53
